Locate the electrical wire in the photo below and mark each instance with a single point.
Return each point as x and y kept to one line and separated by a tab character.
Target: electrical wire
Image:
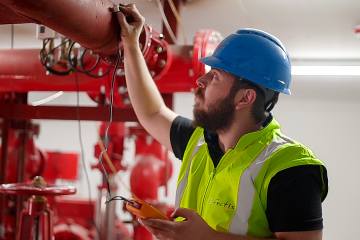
106	157
103	146
106	175
111	165
92	68
103	153
82	148
78	65
166	23
45	57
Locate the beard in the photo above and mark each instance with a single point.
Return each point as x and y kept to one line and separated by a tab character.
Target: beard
218	117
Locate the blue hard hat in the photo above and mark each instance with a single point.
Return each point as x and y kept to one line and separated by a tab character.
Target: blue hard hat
255	56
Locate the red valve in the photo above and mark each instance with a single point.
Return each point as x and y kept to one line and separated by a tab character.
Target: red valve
36	218
158	57
30	189
205	42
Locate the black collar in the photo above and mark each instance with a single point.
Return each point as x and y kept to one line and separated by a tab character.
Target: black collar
212	140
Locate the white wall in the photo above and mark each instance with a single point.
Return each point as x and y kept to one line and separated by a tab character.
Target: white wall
324	113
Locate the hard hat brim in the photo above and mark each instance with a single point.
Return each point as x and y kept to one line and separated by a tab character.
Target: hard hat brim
214	62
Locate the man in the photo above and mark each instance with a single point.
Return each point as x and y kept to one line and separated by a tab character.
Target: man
241	178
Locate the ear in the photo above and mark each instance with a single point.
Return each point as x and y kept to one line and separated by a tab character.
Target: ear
244	98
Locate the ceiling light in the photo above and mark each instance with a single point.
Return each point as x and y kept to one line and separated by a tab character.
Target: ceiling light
325	70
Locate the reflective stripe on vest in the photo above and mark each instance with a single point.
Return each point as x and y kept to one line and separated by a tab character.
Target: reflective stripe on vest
246	191
182	184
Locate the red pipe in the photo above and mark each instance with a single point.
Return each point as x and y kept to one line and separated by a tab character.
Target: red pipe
8	16
23	72
88	22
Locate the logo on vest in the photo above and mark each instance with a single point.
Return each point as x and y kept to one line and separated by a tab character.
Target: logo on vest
221	203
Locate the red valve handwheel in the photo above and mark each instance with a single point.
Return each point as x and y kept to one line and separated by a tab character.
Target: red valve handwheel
30	189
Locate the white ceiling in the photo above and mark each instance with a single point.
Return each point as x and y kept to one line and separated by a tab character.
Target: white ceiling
309	29
320	29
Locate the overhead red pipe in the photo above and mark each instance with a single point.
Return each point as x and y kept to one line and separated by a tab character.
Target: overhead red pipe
21	71
88	22
8	16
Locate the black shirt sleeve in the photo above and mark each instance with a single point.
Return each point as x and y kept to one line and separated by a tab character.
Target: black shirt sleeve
294	199
180	133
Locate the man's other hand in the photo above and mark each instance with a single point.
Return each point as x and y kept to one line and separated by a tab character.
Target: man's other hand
193	227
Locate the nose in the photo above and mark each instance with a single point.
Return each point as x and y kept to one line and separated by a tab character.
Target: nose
201	81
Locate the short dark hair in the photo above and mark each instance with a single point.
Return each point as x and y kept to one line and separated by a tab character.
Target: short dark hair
264	102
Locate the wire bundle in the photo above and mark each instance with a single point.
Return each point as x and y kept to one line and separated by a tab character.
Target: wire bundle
53	58
62	59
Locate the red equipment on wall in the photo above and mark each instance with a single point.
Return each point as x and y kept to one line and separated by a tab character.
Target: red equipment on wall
35	158
22	152
152	169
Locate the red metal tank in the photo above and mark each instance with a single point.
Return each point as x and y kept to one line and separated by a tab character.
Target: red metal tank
145	177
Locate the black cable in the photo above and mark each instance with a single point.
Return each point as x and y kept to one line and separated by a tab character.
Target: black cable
79	65
103	170
121	198
45	57
74	64
118	197
115	198
106	175
82	62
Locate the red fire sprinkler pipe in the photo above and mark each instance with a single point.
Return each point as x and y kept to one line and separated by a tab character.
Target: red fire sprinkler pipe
88	22
23	72
8	16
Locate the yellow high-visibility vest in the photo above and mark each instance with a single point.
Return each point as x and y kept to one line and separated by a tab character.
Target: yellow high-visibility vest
233	196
